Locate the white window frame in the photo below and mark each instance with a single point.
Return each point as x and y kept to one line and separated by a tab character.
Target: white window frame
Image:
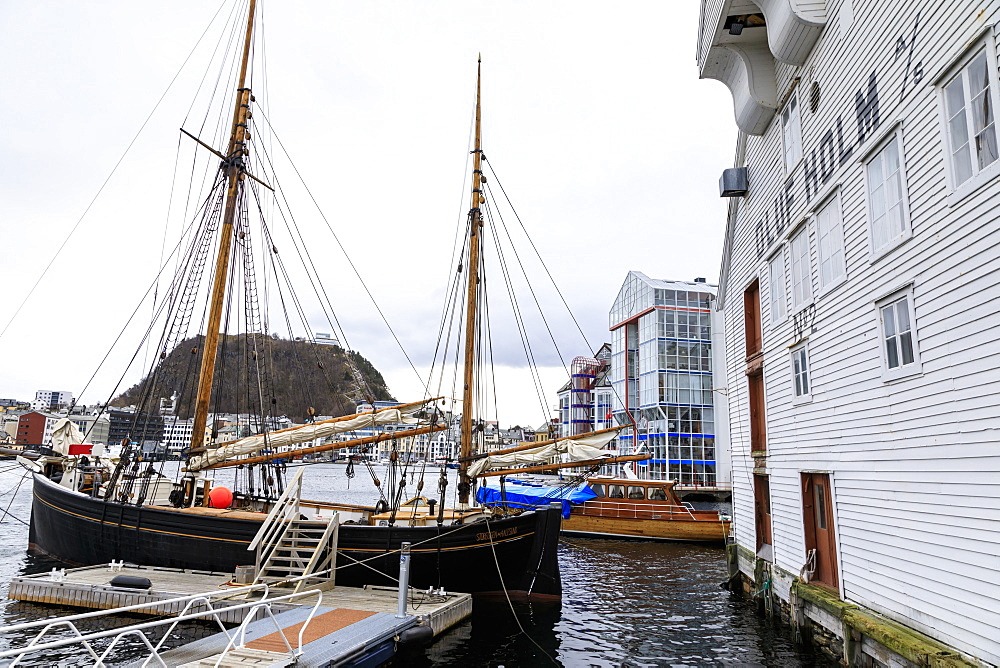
985	45
791	145
781	293
797	304
800	353
836	234
894	136
902	370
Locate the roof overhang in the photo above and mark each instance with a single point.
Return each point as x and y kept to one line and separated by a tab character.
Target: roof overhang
744	59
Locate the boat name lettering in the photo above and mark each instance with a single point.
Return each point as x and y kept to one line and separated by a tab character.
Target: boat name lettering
494	535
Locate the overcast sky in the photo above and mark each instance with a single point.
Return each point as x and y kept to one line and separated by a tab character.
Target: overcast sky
594	120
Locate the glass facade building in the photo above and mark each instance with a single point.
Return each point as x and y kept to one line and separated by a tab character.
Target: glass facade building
661	376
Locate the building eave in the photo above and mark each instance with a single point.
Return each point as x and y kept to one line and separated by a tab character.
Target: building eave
745	62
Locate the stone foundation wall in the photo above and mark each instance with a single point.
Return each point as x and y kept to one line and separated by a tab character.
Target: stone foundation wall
840	631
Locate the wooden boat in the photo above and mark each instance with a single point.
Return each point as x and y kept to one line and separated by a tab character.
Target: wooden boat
96	508
647	509
609	507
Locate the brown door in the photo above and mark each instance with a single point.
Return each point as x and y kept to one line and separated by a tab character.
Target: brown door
751	319
762	509
755	368
758	422
817	516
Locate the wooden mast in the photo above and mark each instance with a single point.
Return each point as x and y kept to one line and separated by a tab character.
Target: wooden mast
234	168
475	225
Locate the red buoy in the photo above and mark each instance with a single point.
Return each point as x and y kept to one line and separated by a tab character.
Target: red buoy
220	497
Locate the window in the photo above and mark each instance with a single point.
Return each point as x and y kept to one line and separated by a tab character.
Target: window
791	134
887	215
656	494
900	355
968	107
801	277
830	243
776	288
800	373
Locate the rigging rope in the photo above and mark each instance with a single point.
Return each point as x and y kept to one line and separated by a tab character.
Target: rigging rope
346	256
111	174
6	511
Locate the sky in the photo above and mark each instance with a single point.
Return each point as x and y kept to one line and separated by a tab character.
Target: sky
594	120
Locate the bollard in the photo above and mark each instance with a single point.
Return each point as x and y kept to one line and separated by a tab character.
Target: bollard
404	579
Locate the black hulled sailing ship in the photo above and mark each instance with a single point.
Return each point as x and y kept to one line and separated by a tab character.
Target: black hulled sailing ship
94	508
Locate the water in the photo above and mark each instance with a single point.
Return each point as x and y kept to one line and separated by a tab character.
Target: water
625	603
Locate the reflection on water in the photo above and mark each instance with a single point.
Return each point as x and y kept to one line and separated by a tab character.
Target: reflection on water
625	603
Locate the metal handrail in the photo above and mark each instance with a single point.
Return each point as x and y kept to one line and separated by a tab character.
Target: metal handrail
137	606
241	632
119	633
635	508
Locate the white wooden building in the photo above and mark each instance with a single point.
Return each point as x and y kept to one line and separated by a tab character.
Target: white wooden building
861	290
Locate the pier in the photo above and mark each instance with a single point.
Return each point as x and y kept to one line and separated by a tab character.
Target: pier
275	626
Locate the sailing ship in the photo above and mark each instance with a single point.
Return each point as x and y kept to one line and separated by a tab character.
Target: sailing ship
91	507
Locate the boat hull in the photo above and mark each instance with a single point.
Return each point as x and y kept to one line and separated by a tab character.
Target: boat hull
515	554
699	531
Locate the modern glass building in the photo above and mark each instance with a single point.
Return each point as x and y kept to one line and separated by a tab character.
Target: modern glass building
585	401
662	365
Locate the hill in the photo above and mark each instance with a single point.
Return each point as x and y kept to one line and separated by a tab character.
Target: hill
300	375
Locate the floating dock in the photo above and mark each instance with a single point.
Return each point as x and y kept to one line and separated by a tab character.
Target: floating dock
333	637
347	626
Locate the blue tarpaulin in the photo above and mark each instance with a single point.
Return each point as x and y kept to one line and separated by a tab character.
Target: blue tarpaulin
529	495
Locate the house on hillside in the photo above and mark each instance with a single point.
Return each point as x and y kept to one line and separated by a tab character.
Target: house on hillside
860	286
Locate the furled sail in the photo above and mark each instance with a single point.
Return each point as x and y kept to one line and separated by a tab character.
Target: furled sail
308	432
64	434
579	448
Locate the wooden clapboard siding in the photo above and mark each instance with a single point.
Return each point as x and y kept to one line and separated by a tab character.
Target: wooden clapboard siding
914	462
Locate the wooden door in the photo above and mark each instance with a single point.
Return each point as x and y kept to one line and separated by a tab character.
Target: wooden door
758	421
755	368
817	516
751	319
762	509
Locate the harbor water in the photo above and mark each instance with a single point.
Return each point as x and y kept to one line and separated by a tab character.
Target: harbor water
625	603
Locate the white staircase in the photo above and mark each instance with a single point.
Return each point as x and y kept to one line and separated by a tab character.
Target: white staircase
305	547
289	546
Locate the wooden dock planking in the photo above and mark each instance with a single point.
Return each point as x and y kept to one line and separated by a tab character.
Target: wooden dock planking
89	587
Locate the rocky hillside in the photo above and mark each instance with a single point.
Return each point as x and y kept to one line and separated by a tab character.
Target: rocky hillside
299	374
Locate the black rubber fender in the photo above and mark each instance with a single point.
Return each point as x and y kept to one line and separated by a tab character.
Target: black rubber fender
130	582
416	636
